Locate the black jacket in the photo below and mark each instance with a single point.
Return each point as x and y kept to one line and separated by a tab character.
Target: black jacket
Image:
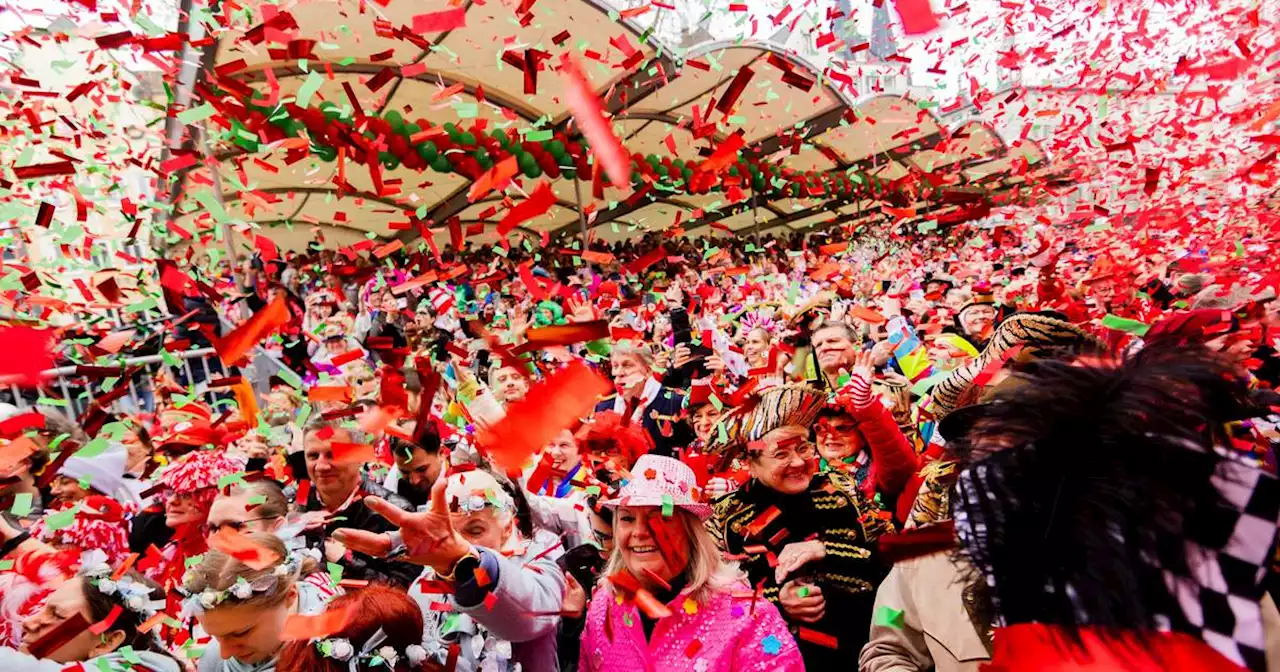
663	419
358	516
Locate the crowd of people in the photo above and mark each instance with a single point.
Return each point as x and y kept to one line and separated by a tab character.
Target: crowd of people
814	453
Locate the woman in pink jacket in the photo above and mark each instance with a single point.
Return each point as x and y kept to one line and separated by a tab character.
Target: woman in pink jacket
670	602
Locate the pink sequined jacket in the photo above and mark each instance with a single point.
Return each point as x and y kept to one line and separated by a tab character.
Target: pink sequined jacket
720	635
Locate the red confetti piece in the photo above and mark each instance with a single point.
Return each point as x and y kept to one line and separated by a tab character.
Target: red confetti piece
60	634
725	154
106	623
495	178
550	406
819	638
44	170
235	544
435	22
352	452
566	334
538	203
639	265
581	100
299	626
233	347
736	87
27	352
917	16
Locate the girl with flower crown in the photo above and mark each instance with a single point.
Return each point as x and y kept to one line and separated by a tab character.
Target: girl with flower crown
243	609
94	596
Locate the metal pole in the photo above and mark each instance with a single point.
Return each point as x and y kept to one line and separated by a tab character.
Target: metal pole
755	214
582	217
217	194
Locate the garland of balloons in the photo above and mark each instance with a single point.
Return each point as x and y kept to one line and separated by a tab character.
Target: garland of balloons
470	152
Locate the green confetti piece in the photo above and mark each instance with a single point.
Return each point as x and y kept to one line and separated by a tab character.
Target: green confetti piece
723	435
196	114
668	506
210	202
889	617
6	565
224	481
335	573
1117	323
22	505
538	136
308	88
842	379
715	401
803	591
94	448
61	519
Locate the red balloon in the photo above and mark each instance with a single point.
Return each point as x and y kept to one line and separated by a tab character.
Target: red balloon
398	145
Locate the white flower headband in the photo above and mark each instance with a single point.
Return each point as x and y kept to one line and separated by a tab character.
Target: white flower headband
372	652
198	603
134	596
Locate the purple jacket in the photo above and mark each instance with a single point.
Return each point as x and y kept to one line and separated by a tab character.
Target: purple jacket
720	635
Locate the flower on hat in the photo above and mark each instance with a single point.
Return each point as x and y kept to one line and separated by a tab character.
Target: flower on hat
661	481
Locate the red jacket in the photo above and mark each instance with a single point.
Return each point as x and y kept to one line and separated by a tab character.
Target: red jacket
893	462
1044	648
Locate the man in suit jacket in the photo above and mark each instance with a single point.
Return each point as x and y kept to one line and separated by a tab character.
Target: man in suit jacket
645	400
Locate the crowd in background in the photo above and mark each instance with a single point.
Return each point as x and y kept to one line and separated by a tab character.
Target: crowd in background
813	453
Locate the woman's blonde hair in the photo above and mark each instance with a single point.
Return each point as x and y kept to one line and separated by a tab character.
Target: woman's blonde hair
218	572
707	572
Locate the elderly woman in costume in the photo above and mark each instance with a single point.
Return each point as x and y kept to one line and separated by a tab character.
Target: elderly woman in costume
819	526
671	601
505	588
242	609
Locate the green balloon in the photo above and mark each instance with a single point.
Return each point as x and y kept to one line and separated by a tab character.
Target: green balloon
412	129
328	154
531	171
662	170
678	163
428	151
688	174
556	148
652	159
450	128
388	159
484	161
441	164
570	173
394	119
733	170
467	138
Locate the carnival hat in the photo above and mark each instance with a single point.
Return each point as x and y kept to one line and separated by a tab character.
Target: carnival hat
780	406
658	481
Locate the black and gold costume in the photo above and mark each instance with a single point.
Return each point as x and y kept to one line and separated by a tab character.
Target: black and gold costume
834	511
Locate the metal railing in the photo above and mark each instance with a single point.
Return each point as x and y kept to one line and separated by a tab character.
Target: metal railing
71	391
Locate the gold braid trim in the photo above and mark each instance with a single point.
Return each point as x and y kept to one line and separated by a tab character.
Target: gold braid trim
848	583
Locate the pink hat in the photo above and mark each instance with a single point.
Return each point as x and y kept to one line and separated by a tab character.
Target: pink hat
659	481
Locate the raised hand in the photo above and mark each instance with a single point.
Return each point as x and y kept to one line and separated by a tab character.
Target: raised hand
429	536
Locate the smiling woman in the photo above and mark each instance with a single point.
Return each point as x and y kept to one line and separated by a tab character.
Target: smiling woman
661	543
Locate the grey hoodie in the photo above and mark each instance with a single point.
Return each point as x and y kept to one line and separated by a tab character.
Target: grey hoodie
12	659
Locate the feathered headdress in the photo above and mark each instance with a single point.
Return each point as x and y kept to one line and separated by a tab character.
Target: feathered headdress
1096	496
781	406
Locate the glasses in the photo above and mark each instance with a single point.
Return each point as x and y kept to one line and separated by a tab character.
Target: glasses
834	430
805	450
601	536
237	525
